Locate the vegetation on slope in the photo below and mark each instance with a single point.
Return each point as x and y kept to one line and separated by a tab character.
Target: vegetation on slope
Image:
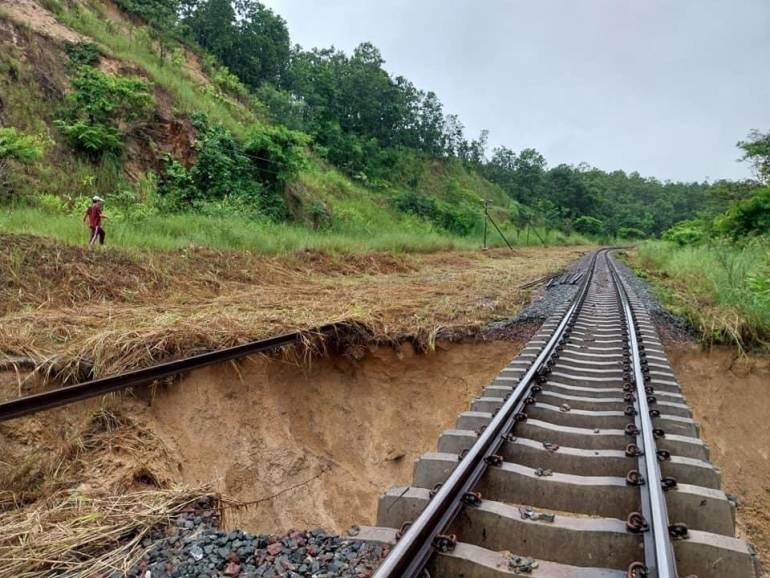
203	108
715	270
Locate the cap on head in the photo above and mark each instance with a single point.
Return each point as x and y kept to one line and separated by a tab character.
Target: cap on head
97	200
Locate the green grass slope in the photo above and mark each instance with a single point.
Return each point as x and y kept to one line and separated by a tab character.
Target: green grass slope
328	210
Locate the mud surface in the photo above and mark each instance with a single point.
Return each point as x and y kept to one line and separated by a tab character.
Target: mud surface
316	447
730	397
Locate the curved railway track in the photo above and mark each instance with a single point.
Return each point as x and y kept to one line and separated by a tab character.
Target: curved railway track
581	459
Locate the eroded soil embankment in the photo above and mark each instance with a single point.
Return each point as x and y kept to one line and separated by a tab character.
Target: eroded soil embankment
316	447
730	397
307	446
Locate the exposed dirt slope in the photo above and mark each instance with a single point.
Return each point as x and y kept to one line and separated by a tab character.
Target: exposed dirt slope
309	447
730	397
340	435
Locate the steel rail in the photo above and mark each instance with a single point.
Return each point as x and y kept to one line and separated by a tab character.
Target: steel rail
658	549
414	548
65	395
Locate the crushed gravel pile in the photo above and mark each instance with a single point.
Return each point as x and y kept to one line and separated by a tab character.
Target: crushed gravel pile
196	548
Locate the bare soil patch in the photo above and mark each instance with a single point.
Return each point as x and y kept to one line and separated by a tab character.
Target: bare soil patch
33	16
730	397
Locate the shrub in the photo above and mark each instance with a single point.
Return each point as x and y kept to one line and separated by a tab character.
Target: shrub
588	225
17	146
453	218
686	233
98	103
631	233
175	185
82	53
227	82
414	203
51	204
253	175
456	219
277	153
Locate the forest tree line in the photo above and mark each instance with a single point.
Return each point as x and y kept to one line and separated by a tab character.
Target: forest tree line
376	127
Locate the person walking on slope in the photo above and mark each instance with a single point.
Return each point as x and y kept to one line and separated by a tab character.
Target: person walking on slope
93	217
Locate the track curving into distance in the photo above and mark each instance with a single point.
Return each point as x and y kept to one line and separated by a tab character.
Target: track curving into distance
580	460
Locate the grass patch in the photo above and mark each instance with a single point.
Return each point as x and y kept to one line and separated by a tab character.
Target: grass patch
176	231
722	290
358	226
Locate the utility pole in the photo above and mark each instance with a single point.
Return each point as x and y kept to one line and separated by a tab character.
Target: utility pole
488	217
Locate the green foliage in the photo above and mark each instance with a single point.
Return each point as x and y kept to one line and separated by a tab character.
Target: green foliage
747	217
82	53
17	146
222	169
228	82
277	153
98	103
589	225
283	107
157	12
686	233
452	218
756	150
720	287
630	233
414	203
247	37
252	175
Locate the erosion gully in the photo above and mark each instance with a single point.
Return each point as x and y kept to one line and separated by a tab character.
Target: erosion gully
581	459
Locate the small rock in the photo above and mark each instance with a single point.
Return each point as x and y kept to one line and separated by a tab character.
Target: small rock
196	552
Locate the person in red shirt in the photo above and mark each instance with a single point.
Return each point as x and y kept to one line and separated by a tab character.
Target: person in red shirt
94	218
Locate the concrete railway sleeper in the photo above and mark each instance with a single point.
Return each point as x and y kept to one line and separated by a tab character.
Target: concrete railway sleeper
581	459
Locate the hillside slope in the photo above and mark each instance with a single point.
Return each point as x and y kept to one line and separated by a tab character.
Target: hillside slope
55	55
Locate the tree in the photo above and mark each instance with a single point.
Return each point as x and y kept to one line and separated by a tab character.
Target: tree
212	25
529	171
756	150
261	48
160	13
747	217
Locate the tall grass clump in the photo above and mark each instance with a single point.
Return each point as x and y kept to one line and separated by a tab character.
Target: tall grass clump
721	288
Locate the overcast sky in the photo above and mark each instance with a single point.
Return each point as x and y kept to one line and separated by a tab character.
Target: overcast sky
665	87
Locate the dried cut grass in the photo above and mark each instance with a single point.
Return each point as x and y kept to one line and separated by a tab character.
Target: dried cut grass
86	537
133	311
105	444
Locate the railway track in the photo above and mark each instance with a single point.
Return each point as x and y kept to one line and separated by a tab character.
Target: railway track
581	459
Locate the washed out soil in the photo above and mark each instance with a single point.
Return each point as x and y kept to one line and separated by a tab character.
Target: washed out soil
303	446
317	446
730	397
